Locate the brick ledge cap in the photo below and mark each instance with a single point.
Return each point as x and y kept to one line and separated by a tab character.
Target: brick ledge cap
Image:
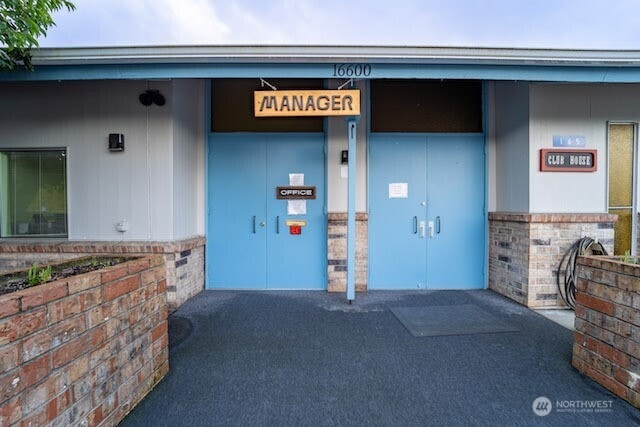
552	217
116	247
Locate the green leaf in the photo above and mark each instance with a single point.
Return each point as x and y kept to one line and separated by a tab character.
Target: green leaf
21	23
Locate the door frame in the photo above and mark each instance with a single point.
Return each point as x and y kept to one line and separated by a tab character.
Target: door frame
427	135
208	202
484	133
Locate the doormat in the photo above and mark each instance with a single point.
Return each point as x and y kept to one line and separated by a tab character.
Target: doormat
179	330
463	319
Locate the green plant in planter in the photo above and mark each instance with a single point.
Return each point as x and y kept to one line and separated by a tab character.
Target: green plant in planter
628	258
35	277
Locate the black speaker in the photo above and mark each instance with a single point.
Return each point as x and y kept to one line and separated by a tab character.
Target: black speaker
116	142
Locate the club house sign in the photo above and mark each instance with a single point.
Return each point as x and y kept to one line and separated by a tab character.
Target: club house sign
292	103
553	160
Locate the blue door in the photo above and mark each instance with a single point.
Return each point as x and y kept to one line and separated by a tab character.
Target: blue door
426	219
249	243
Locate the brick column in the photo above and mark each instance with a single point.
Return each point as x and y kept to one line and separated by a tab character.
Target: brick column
337	252
525	251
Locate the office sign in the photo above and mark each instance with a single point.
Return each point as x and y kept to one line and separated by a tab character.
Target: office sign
296	193
553	160
300	103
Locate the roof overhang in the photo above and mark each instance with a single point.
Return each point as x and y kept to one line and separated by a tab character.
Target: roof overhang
331	54
315	61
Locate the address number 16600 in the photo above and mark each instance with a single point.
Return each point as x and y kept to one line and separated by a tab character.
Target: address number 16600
351	70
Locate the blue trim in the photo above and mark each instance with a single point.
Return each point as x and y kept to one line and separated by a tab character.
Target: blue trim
485	129
325	71
367	125
207	210
351	213
325	130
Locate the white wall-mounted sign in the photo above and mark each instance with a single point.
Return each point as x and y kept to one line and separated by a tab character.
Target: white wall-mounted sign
296	179
569	141
296	207
398	190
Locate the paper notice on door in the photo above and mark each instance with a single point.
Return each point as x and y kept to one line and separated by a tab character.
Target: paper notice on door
344	171
296	179
398	190
296	207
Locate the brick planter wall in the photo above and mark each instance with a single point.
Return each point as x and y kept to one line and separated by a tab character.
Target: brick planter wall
606	343
337	252
86	349
526	249
184	259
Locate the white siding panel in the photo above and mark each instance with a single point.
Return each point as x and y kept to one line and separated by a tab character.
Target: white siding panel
578	109
188	157
511	135
103	187
338	141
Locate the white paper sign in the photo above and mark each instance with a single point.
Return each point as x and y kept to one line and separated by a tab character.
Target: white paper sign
296	207
344	171
398	190
296	179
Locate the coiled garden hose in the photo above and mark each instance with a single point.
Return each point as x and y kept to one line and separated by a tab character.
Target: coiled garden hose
566	274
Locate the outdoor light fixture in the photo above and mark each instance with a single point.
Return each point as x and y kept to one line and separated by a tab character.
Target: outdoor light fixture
116	142
151	96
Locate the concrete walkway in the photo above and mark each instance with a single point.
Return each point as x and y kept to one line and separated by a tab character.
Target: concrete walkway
307	358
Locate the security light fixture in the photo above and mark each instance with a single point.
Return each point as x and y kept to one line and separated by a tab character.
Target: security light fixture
151	96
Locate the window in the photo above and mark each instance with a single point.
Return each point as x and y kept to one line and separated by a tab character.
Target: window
33	192
622	141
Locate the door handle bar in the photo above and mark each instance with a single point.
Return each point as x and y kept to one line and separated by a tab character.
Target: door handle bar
415	225
254	224
278	224
438	225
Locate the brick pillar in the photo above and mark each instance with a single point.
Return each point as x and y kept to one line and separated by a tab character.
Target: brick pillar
337	252
525	251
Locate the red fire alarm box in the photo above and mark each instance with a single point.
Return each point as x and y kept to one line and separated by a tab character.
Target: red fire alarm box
295	229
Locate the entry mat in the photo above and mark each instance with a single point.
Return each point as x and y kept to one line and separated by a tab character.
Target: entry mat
463	319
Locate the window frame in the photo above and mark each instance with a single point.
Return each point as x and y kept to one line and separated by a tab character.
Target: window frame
14	235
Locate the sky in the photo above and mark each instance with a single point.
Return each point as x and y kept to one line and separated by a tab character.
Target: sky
562	24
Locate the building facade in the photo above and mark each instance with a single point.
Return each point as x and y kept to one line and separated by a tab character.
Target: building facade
463	169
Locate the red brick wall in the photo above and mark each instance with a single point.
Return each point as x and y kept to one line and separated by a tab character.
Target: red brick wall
184	259
83	350
606	343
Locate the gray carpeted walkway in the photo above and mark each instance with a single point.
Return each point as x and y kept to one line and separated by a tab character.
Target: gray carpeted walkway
307	358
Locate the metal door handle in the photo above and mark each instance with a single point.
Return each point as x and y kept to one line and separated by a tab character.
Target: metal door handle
254	224
422	229
415	225
430	229
438	225
278	224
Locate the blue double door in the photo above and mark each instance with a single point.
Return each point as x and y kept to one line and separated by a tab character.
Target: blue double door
427	219
249	243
